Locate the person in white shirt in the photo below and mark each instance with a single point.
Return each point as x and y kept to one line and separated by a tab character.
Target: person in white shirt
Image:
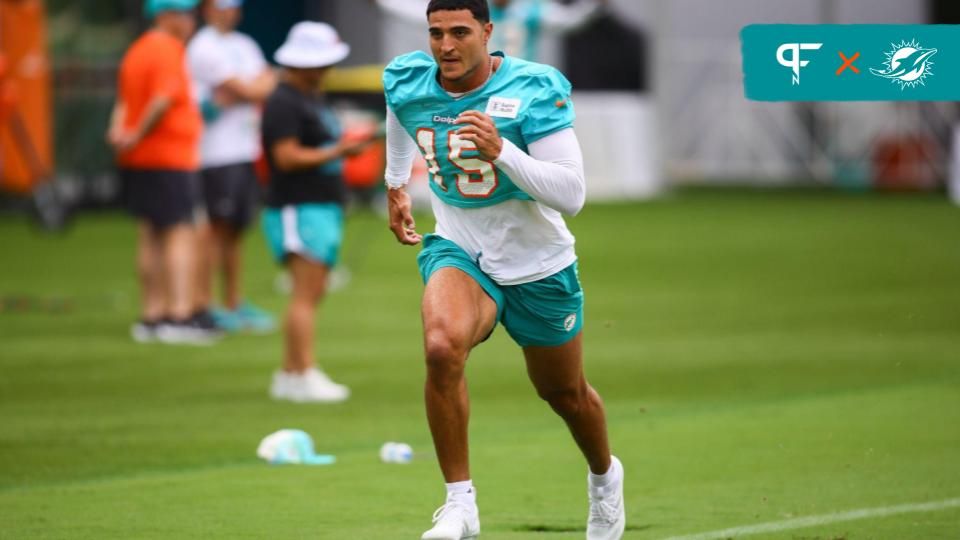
232	79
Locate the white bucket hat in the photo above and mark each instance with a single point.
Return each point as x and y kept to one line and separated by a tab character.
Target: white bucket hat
311	45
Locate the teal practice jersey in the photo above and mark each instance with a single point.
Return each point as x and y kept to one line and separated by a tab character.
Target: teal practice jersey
527	101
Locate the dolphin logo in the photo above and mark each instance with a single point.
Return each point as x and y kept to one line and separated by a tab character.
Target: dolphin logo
907	64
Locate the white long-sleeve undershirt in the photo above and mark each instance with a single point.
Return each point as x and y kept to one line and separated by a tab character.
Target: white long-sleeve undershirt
552	173
401	151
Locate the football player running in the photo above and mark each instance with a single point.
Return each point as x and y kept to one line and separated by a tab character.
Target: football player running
504	164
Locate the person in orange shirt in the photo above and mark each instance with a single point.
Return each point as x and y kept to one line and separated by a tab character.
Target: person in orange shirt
155	131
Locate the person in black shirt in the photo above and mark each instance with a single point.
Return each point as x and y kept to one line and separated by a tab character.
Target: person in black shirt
304	216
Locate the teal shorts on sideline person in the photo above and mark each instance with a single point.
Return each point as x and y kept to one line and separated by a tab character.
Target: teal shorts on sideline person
314	231
543	313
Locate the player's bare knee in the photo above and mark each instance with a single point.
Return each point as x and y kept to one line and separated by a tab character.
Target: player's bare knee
567	402
445	355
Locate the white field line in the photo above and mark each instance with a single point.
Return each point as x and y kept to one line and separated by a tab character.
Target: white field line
811	521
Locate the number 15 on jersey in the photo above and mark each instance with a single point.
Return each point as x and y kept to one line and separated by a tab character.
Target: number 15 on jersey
474	177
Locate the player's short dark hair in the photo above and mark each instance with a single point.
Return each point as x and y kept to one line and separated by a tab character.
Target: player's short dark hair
478	8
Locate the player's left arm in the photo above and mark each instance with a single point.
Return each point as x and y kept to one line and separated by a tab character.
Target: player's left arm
552	173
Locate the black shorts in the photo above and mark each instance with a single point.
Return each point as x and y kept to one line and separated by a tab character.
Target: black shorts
231	194
161	197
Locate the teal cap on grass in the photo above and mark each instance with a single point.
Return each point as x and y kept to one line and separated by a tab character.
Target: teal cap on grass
291	447
152	7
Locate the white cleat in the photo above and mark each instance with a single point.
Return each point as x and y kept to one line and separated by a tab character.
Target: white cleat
455	520
311	386
607	517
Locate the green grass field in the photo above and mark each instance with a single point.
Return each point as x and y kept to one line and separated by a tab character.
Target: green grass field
763	356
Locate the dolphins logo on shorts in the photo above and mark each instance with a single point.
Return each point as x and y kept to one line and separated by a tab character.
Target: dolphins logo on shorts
570	322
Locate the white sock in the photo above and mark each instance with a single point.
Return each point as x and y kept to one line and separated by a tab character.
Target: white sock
607	478
462	491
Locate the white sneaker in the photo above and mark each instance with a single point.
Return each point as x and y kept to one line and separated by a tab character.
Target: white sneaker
311	386
607	517
193	331
319	387
144	332
455	520
280	386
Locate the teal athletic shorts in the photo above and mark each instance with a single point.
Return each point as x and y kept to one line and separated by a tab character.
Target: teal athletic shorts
314	231
544	313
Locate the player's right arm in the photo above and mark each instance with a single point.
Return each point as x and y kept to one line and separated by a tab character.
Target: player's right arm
401	151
